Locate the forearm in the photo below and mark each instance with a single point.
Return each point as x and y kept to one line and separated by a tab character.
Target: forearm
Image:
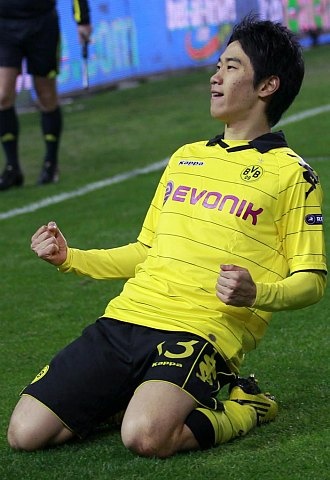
113	263
297	291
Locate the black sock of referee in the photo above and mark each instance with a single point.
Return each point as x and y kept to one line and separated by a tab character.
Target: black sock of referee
51	125
9	130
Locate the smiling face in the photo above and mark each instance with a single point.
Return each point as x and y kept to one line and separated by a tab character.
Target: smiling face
234	100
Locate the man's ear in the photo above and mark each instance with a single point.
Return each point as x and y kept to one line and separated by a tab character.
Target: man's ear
269	86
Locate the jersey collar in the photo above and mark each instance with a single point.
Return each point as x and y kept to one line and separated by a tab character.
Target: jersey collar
263	144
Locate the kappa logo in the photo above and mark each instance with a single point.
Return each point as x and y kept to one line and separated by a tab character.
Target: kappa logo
191	163
166	364
252	173
309	175
41	374
207	369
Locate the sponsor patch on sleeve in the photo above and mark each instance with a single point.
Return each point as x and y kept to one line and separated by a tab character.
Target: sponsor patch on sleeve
314	219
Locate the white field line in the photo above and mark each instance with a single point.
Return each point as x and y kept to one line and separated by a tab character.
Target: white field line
91	187
305	114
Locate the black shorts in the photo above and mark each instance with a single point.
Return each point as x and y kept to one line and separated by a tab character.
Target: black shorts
96	375
35	39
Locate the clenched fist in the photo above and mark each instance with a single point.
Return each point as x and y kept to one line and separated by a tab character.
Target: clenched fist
49	244
235	286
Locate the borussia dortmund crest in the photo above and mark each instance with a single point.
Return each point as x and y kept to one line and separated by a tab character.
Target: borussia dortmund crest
252	173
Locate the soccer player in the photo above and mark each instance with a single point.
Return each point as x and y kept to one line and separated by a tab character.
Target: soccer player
30	29
233	233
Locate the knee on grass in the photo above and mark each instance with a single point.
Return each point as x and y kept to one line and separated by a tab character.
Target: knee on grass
146	440
32	427
29	437
24	437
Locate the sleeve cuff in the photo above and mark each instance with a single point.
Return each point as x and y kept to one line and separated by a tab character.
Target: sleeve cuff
66	265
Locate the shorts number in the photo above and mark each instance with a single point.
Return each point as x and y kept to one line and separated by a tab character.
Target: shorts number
188	349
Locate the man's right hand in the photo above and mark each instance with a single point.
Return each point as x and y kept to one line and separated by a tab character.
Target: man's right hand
49	244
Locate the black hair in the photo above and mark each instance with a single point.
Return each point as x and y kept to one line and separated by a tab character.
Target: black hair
273	50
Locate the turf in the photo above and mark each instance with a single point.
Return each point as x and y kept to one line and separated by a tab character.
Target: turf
41	310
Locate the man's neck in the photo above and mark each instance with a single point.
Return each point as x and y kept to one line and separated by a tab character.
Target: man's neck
244	134
245	131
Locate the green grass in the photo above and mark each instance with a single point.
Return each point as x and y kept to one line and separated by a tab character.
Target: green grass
41	310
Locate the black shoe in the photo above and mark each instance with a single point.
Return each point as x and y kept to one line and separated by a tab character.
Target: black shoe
11	177
48	174
248	384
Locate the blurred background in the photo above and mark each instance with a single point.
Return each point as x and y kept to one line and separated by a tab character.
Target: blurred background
137	39
115	144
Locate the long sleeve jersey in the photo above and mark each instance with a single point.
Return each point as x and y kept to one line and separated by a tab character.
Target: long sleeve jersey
33	8
254	204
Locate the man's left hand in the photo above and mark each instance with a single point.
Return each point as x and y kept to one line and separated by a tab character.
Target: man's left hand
235	286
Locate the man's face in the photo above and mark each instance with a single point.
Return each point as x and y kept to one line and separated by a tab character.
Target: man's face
233	97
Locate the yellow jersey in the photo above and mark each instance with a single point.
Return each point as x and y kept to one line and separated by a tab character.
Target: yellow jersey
254	204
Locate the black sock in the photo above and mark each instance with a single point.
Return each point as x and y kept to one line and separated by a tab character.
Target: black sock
201	428
9	130
51	124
